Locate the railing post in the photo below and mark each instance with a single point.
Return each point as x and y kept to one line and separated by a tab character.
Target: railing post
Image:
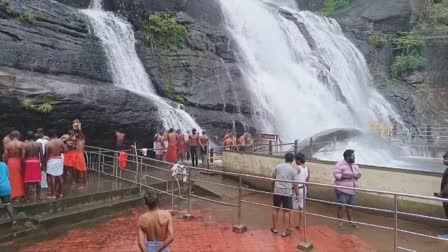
188	215
305	245
270	148
99	160
140	175
172	194
240	228
396	223
296	146
311	148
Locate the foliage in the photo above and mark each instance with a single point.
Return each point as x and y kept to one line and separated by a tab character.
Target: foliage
28	18
439	13
406	64
164	32
376	39
180	99
409	44
331	6
12	12
44	108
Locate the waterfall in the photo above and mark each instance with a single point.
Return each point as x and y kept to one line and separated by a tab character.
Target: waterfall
117	37
304	74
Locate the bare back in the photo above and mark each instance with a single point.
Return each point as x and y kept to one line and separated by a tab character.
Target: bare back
155	224
181	138
33	149
6	140
14	149
120	137
54	148
228	142
172	138
204	140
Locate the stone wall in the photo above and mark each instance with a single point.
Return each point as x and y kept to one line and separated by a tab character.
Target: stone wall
375	178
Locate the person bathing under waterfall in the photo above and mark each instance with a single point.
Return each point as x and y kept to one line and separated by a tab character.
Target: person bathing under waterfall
194	142
203	142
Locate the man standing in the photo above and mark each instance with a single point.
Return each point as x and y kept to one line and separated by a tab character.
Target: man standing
5	191
42	139
155	227
242	142
283	192
120	137
444	184
33	165
13	157
55	164
347	174
158	144
171	154
194	142
180	146
203	142
6	140
228	142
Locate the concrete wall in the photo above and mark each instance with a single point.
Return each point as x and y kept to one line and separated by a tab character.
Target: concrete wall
377	178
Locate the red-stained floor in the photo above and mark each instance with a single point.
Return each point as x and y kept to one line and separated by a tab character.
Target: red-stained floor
204	233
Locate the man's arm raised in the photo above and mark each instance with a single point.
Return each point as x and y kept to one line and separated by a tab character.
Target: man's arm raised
169	236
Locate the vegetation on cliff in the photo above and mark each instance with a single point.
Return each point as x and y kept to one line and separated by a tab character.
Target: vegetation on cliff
410	57
44	108
162	31
331	6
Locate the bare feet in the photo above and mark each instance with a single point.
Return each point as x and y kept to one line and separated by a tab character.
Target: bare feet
51	197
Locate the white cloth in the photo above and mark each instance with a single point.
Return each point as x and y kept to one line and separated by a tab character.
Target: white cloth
298	203
43	142
55	167
145	152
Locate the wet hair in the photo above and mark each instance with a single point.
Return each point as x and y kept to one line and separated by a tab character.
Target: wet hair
52	133
348	153
289	157
171	130
445	156
14	135
30	136
151	199
300	157
120	130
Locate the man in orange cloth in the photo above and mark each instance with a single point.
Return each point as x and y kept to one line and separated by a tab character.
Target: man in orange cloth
33	156
80	161
171	154
180	145
13	157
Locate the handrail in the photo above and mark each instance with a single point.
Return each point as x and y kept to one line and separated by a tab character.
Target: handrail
96	162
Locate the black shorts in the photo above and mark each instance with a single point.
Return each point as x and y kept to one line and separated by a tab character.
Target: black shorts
283	201
6	199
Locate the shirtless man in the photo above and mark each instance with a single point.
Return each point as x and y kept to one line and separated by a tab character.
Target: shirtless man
6	140
194	142
55	164
155	227
159	144
119	137
242	142
81	166
228	142
227	135
203	142
33	161
13	157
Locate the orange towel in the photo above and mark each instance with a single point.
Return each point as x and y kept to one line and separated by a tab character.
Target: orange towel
123	160
171	154
69	158
79	161
16	178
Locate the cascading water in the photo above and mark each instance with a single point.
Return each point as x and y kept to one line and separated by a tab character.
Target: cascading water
117	37
305	75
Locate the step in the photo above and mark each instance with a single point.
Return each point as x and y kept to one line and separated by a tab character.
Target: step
72	215
31	210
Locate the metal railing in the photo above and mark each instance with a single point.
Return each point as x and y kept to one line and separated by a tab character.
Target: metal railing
105	161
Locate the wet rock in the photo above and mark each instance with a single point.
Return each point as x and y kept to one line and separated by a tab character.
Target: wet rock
415	78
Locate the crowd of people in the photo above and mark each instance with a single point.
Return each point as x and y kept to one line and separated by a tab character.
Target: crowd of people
39	160
231	142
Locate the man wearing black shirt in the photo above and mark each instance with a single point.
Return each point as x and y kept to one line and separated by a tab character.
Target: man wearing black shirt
444	185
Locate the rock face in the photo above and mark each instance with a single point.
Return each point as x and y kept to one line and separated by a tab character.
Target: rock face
101	107
49	37
203	75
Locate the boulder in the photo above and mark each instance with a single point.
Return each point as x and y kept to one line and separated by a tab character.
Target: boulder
415	78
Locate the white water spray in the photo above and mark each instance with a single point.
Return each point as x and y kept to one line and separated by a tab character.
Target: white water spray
117	37
306	77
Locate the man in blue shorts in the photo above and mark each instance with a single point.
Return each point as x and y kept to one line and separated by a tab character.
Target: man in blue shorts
5	191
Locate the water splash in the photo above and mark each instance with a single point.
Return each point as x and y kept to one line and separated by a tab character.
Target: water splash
117	37
305	76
